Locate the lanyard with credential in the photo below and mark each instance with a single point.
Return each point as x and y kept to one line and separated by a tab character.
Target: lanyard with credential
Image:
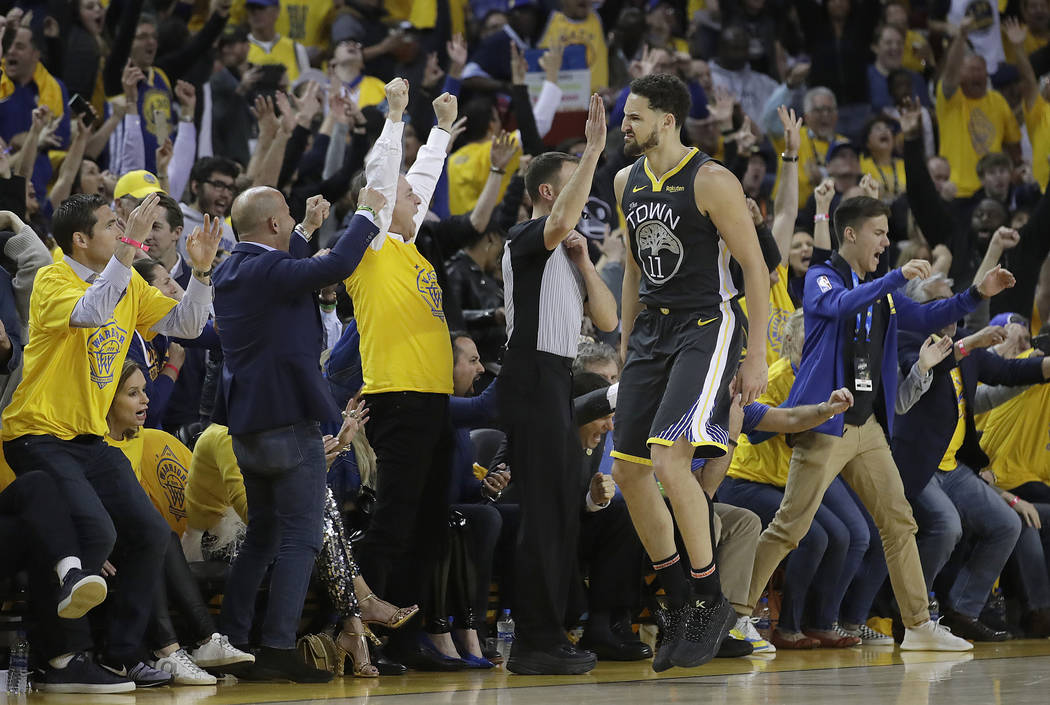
867	316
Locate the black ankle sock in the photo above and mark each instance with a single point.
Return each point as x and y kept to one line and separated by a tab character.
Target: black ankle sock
706	585
671	575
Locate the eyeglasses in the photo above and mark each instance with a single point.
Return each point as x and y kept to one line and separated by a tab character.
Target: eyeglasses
222	185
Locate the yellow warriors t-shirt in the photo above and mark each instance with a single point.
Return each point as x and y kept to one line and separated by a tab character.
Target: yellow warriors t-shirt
948	462
468	170
303	21
215	480
404	337
1037	120
1016	437
767	462
780	307
162	465
69	375
891	179
282	52
587	32
971	129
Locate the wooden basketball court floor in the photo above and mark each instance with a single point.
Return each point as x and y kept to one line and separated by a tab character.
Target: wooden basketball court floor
1012	673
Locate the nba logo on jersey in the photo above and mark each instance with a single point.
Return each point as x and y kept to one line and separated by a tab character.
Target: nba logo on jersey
824	283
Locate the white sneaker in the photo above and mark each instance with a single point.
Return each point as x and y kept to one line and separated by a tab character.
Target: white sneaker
745	630
185	671
931	636
218	651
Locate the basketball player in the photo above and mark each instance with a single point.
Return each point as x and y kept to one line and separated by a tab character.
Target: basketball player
682	337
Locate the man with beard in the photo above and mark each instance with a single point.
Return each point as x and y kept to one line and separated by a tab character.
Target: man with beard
682	226
211	191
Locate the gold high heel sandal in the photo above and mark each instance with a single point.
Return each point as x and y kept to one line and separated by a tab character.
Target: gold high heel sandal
400	616
364	669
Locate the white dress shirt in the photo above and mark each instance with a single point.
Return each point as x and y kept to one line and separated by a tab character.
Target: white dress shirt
97	304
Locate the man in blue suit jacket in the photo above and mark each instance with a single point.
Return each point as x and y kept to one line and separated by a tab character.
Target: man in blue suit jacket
938	453
851	321
274	399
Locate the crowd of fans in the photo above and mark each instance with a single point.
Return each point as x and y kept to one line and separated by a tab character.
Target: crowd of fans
135	137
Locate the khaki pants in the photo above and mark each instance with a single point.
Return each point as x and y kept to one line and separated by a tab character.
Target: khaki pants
736	536
863	457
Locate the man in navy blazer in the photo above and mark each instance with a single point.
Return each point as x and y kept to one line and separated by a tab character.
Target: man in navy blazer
274	399
938	453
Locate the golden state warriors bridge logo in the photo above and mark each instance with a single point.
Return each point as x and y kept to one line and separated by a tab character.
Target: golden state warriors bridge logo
427	284
104	347
172	476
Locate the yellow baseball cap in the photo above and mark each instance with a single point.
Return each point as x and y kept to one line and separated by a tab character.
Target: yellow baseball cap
137	184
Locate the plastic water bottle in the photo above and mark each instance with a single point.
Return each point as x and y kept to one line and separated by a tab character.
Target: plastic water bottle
18	671
935	608
763	621
505	634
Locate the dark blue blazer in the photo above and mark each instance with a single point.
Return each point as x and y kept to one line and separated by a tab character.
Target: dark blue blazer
270	327
921	436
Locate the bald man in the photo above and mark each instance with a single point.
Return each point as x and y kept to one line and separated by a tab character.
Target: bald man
274	400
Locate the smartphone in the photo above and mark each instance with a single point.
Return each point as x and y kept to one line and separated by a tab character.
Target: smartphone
79	106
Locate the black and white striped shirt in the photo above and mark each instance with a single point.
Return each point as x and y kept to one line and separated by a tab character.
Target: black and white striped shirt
544	293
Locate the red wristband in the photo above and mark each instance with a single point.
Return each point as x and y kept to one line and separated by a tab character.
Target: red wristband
134	243
1015	500
173	368
962	349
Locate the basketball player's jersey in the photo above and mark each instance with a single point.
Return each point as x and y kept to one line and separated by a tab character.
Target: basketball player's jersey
684	262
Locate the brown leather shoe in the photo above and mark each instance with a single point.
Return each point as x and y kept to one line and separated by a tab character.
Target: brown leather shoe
832	639
799	644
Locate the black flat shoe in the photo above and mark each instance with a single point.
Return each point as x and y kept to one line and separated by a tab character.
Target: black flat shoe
734	648
614	649
385	665
416	652
561	660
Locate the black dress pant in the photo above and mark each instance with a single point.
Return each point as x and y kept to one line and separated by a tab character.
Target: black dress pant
535	399
104	498
484	524
34	524
611	555
411	434
35	533
178	587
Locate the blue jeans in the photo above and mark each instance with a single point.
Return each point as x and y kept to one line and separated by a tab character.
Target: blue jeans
825	560
1029	562
284	484
951	502
869	577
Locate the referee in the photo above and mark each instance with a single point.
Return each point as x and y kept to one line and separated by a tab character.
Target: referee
549	282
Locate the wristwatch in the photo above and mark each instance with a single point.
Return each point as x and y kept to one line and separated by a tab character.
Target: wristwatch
302	231
786	158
